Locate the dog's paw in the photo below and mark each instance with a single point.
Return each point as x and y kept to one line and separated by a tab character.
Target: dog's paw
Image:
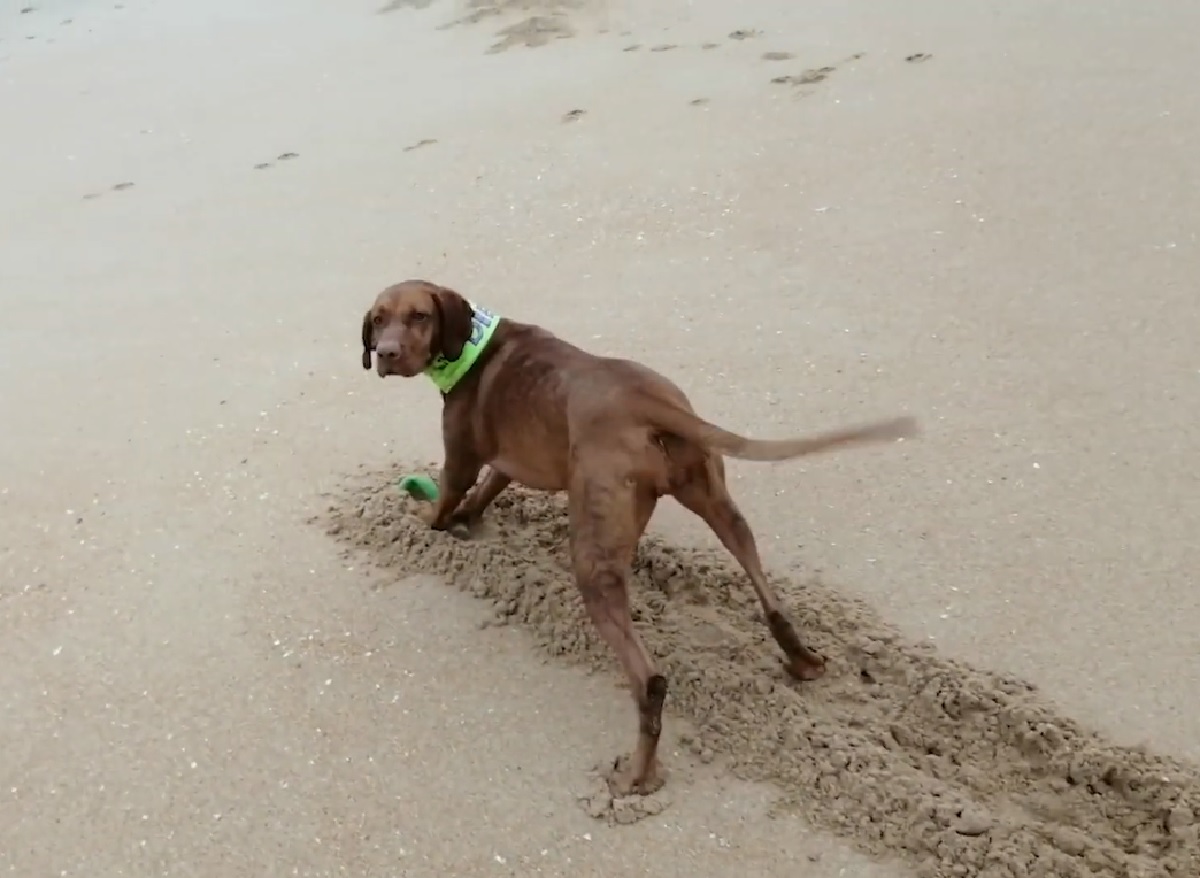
805	668
463	525
601	801
457	525
623	780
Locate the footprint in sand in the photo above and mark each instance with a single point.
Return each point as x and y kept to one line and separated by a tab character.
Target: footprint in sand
815	74
777	56
396	5
424	141
663	47
918	57
535	31
282	157
572	115
116	187
743	34
808	77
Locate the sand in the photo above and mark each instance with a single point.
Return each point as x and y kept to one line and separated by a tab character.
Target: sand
899	750
807	214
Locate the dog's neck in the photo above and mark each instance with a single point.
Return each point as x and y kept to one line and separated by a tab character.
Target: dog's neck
447	373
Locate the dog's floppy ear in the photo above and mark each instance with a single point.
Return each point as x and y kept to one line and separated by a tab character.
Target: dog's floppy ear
368	340
454	322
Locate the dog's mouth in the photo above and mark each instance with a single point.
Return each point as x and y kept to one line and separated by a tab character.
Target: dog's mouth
399	367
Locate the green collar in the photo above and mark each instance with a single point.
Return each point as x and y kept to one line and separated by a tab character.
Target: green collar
447	373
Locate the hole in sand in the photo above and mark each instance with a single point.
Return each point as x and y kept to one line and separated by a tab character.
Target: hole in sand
950	766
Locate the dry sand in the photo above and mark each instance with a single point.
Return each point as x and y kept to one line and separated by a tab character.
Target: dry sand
229	649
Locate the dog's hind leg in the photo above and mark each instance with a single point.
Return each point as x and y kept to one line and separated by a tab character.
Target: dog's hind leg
608	513
704	493
472	508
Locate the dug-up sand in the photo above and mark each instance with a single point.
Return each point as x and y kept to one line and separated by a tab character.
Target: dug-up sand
898	749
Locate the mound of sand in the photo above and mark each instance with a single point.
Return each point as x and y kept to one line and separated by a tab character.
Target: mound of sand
962	771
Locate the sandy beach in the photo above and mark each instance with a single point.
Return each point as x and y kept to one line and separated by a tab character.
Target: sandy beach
230	648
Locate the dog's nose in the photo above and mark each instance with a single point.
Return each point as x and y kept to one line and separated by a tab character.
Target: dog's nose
388	350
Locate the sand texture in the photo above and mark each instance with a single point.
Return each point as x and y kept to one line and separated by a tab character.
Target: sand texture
898	749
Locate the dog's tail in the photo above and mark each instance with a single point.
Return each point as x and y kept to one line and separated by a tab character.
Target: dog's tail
675	419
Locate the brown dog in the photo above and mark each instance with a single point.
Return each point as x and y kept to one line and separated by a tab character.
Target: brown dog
613	433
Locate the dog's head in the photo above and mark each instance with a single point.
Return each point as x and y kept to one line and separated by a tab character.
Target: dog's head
413	323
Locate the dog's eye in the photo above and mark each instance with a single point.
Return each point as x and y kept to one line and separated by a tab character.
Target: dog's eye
419	317
377	320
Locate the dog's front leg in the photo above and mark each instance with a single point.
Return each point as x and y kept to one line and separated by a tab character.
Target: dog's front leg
457	476
461	466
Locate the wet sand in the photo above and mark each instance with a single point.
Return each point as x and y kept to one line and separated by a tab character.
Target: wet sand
229	647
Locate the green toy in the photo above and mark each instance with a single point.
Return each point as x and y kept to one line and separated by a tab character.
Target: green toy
419	487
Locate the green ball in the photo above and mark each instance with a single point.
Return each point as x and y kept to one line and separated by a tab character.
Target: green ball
420	487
